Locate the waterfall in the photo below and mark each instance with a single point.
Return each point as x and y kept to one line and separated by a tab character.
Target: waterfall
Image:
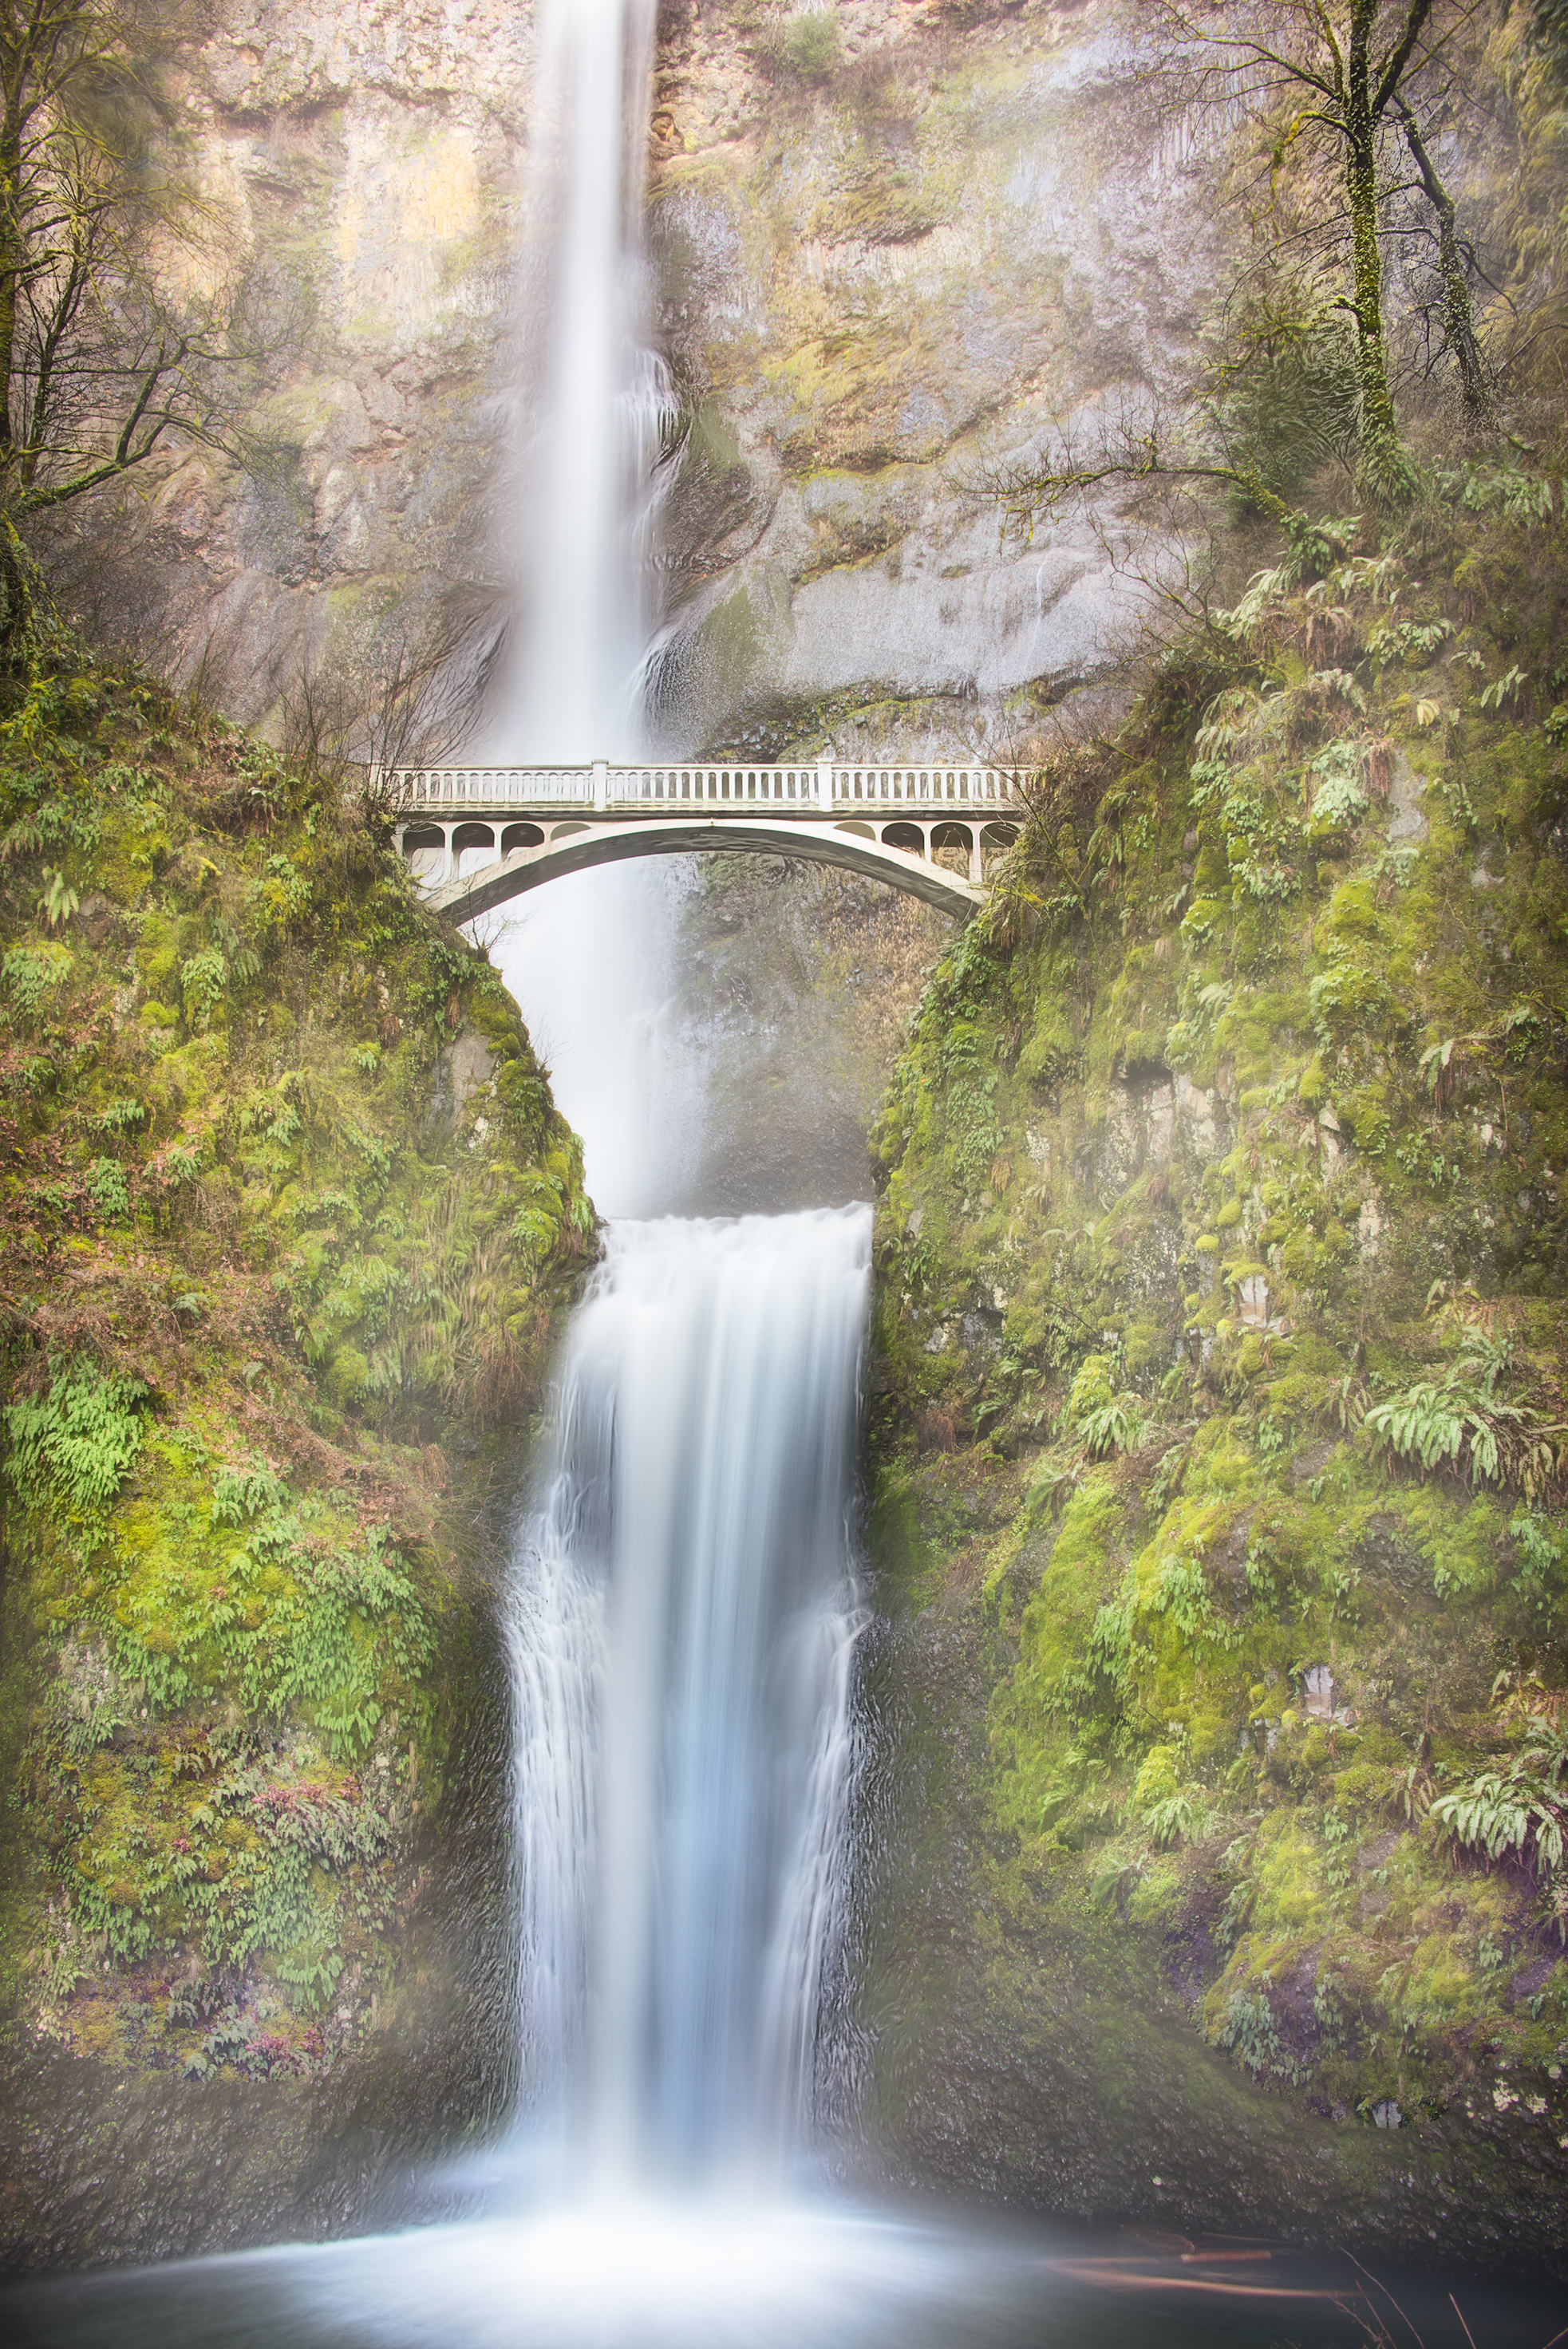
588	958
683	1626
599	403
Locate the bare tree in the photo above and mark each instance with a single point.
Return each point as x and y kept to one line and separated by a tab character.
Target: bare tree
98	363
1459	317
399	689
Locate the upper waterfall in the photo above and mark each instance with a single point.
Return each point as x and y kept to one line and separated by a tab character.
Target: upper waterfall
598	402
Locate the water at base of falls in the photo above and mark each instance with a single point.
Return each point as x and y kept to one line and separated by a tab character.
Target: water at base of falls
731	2273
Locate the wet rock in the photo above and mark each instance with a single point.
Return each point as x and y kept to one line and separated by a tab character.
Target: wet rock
1407	827
461	1070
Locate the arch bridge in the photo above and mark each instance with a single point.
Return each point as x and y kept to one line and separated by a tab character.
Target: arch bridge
477	835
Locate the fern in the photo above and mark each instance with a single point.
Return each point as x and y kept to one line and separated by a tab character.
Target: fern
32	973
1171	1820
241	1493
1504	688
1520	1813
1108	1422
57	901
108	1189
1252	2033
1463	1423
1503	1816
77	1445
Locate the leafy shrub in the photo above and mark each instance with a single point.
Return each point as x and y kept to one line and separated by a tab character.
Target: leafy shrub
1338	794
811	44
108	1189
31	973
1251	2033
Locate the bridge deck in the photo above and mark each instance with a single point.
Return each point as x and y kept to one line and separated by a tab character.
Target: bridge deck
538	821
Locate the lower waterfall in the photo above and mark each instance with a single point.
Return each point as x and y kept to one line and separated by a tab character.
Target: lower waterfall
683	1622
683	1625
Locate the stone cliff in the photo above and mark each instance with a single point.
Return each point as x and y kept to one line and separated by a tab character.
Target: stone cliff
879	265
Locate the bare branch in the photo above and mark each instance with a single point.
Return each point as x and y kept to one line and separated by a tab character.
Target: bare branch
1401	56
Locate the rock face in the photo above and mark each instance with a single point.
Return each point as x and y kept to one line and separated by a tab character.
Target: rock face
884	281
362	172
1190	1660
885	264
333	1221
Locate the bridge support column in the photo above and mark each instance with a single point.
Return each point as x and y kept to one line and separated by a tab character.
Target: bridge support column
976	858
601	782
824	786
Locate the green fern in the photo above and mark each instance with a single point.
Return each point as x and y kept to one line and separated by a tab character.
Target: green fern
57	901
1108	1422
77	1445
1463	1424
1520	1813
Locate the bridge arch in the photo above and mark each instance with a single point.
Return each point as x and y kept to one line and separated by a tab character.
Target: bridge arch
574	846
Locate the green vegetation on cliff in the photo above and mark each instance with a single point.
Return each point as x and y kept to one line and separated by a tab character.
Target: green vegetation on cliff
287	1214
1223	1233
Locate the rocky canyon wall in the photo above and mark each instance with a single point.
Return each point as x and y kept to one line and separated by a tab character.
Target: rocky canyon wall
884	259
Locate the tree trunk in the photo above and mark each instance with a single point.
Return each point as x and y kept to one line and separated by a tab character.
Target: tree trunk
10	273
1458	319
1384	470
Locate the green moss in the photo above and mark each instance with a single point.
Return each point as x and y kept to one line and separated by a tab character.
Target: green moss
1258	1625
232	1581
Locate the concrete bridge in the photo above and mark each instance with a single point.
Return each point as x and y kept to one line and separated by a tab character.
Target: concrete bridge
477	835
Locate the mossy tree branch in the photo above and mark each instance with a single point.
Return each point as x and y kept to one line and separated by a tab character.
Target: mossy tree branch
1458	319
1339	69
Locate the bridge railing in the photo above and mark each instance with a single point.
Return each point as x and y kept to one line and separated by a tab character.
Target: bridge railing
824	785
926	787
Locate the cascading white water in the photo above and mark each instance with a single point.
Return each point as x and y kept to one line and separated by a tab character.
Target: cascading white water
601	404
684	1623
589	962
684	1612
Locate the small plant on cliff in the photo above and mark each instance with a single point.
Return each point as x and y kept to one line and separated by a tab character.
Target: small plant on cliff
76	1444
810	47
1462	1423
1107	1421
1522	1813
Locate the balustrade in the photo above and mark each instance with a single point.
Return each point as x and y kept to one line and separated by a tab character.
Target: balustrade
824	786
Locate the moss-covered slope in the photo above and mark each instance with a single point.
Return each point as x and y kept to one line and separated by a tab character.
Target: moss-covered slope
1220	1261
287	1214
